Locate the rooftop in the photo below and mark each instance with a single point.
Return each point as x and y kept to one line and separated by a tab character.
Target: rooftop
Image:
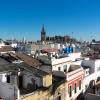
86	67
26	63
6	66
73	67
90	96
49	50
10	57
28	59
6	49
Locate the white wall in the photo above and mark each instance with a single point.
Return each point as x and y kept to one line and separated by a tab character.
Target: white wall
75	55
3	77
2	44
57	46
90	77
61	65
93	64
71	57
97	64
64	61
7	91
14	45
51	45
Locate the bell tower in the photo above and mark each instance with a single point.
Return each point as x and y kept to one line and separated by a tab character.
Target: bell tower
43	34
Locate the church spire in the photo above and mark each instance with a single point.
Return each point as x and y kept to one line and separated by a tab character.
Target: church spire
43	29
43	34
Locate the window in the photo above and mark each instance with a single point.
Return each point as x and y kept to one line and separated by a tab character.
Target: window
59	68
65	68
8	78
86	72
75	88
70	91
80	85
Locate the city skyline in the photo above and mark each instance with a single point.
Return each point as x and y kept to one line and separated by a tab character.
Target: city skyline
24	18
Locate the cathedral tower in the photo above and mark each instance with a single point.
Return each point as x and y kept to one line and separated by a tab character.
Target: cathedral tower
43	34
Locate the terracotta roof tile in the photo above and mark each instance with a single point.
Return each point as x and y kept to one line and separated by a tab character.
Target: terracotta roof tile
6	49
49	50
29	60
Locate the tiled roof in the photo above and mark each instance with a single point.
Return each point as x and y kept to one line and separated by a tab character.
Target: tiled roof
49	50
6	49
6	66
73	67
28	59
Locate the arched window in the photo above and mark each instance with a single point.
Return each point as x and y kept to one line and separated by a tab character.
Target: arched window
75	88
70	91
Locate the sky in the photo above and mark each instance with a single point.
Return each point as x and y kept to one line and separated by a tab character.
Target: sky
24	18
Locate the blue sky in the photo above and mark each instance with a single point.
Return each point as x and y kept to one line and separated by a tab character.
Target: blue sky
19	18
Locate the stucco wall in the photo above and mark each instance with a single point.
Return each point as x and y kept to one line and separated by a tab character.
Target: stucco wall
7	91
29	78
3	77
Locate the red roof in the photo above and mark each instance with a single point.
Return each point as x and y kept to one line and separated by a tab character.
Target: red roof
29	60
6	49
49	50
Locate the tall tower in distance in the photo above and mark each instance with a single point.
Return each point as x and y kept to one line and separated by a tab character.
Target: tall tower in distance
43	34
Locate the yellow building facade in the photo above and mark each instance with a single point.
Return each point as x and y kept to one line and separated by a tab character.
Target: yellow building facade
47	94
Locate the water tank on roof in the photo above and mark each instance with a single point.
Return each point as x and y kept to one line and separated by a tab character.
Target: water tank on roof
68	50
71	49
65	50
